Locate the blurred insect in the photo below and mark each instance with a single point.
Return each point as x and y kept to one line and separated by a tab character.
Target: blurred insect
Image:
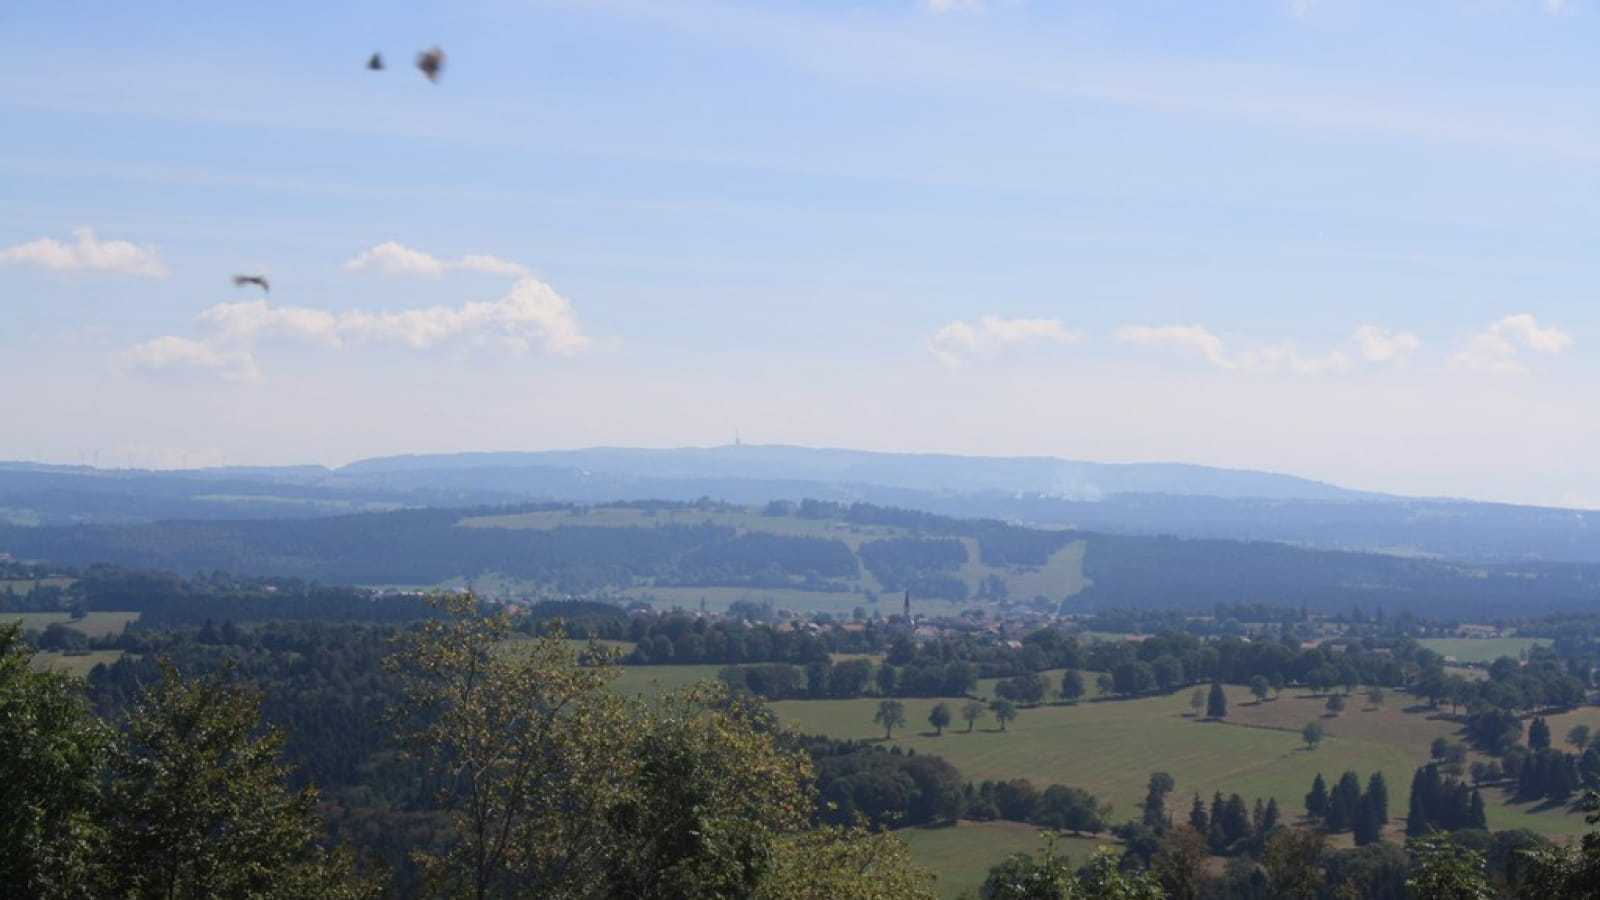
376	62
242	280
431	62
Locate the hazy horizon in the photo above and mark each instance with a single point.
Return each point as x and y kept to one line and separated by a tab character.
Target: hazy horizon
1336	239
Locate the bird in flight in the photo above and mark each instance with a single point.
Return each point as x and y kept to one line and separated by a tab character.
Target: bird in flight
376	62
242	280
431	62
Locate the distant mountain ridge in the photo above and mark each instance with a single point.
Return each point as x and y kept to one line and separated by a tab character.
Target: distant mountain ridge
1132	498
1037	475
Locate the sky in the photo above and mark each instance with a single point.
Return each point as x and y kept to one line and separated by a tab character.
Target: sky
1351	240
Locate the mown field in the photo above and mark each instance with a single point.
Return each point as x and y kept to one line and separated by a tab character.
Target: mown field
77	665
1111	747
655	679
1482	650
22	587
94	624
962	854
1060	577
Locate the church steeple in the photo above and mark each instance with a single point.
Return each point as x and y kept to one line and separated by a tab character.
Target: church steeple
908	606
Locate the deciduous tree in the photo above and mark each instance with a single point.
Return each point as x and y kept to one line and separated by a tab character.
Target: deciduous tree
51	752
891	714
972	711
197	803
1004	711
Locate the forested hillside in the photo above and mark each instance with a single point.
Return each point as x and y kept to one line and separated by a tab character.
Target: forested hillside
852	553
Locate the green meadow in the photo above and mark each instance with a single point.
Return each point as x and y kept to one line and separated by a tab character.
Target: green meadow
659	679
1482	650
95	624
1111	747
22	587
77	665
962	854
1061	576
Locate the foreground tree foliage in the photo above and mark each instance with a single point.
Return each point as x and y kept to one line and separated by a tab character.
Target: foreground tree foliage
187	801
51	752
561	788
197	805
1051	877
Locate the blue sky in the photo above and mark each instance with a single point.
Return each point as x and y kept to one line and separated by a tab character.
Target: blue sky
1349	239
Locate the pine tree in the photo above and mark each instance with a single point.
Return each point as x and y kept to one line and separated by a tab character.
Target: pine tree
1235	821
1539	734
1317	800
1198	820
1271	819
1342	802
1417	810
1215	836
1217	702
1476	816
1378	790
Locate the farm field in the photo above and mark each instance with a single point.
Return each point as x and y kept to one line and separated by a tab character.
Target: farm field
1052	681
655	679
22	587
963	853
1061	576
718	599
1110	748
611	517
1482	650
95	624
77	665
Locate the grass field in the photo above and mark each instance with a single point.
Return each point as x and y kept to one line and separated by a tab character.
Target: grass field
962	854
1061	576
654	679
1482	650
744	520
95	624
718	599
77	665
1052	681
1110	748
23	587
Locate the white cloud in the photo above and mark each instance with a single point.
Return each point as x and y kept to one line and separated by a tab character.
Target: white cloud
390	258
1371	344
1377	345
1187	338
1559	7
1498	348
530	315
87	253
958	341
171	352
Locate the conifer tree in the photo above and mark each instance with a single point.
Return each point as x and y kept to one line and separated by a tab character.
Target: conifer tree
1317	800
1198	820
1378	790
1417	823
1217	702
1539	734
